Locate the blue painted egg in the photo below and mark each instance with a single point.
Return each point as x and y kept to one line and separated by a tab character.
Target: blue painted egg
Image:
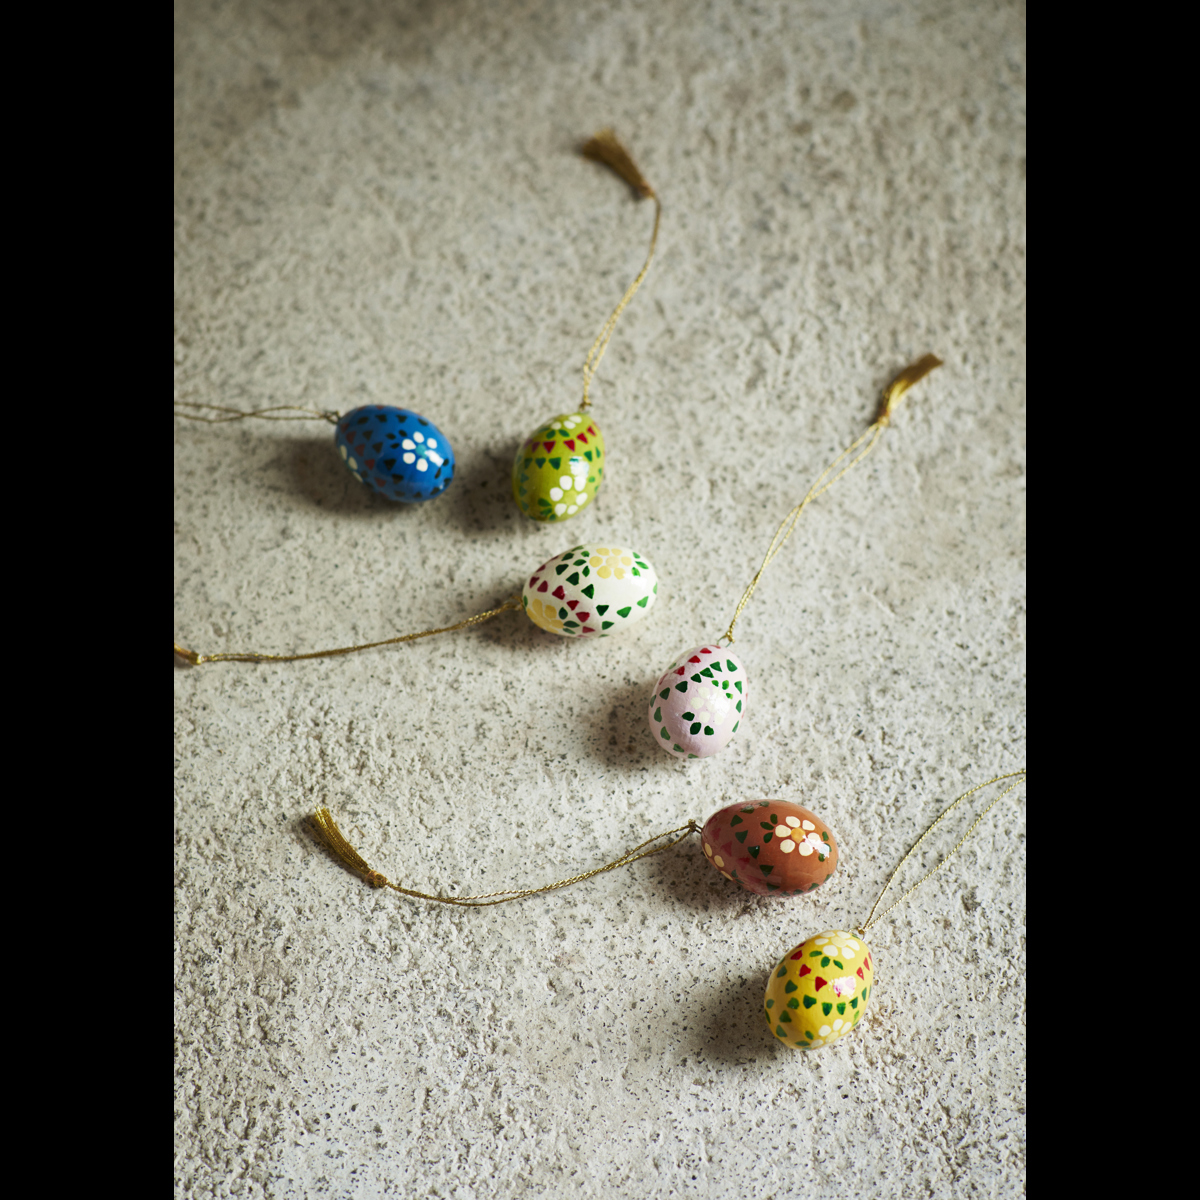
395	452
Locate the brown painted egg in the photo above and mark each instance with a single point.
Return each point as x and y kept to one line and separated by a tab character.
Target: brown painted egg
770	847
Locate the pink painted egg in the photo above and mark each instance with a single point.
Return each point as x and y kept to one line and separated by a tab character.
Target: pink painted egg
697	704
770	847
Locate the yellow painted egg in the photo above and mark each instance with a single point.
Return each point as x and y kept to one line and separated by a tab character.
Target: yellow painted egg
819	990
591	591
559	468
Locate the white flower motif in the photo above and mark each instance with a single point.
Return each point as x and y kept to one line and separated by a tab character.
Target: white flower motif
710	705
575	483
831	1032
837	944
844	986
794	837
812	844
425	450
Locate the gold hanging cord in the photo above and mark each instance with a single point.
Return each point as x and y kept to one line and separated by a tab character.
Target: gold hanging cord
196	659
891	397
267	414
328	832
604	148
1017	775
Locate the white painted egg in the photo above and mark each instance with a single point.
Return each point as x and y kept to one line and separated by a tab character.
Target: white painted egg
590	591
698	703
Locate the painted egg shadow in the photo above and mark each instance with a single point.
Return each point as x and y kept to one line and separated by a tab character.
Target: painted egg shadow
620	736
704	887
514	630
479	498
311	469
725	1020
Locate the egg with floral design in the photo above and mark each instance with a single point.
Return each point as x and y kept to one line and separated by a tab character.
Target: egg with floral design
770	847
819	990
698	702
590	591
559	468
395	452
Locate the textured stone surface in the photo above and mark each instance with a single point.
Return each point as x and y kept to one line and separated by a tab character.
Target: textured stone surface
380	204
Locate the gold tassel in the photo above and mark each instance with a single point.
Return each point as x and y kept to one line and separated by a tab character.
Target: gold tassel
605	148
333	838
896	389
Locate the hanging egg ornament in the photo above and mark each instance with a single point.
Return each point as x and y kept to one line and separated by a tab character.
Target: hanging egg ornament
395	452
697	704
819	991
590	591
559	469
772	847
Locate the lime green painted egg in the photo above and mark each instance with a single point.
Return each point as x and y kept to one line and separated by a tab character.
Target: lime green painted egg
558	470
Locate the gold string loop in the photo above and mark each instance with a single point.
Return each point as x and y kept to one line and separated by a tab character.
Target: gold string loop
267	414
891	397
872	918
605	148
328	833
196	659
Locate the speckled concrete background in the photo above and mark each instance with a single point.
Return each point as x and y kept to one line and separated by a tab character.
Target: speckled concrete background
380	203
